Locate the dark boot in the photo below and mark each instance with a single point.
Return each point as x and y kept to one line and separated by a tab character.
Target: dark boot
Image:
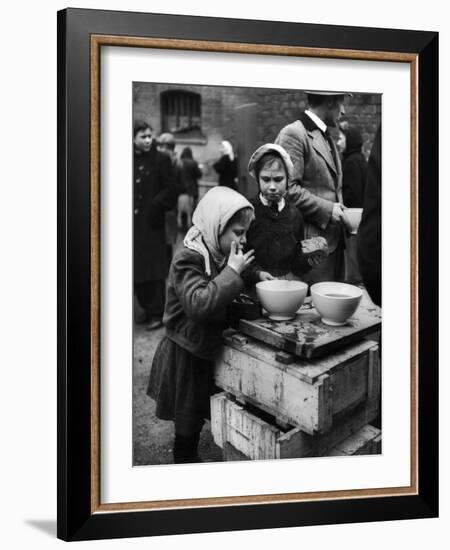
185	449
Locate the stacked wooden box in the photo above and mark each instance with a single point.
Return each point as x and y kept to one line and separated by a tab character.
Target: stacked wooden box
278	405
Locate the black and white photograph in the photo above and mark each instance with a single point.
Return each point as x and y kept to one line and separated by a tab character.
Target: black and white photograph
218	332
256	273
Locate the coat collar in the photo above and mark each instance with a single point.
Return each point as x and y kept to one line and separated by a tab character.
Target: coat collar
308	122
265	202
319	142
317	121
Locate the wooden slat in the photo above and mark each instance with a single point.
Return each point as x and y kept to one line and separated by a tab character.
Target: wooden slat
246	432
218	428
309	370
326	404
275	388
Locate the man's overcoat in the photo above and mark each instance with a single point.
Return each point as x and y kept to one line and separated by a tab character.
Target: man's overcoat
317	181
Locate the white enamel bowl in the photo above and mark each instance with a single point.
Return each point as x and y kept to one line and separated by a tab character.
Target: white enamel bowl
281	298
335	302
353	219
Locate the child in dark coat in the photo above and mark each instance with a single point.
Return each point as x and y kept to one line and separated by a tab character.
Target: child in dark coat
204	278
277	233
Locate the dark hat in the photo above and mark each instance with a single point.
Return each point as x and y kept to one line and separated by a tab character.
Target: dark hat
318	92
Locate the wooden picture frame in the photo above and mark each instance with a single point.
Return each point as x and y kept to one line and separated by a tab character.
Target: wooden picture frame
81	35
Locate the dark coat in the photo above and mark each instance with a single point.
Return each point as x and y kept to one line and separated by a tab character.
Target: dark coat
227	170
354	170
155	192
182	374
276	237
369	232
192	173
196	304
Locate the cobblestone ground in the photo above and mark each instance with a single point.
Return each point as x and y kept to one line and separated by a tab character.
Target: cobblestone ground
153	437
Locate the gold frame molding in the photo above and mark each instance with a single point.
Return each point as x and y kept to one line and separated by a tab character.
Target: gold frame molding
97	41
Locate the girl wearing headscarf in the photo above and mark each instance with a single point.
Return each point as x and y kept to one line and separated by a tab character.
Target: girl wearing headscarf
226	166
204	278
277	233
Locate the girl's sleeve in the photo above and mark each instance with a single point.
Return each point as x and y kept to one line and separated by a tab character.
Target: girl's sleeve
200	297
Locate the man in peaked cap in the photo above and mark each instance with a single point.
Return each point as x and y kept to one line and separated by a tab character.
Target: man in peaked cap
316	185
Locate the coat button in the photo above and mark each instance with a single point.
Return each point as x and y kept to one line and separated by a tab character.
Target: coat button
138	180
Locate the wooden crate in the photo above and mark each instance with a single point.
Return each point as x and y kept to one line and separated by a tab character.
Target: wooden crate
307	337
308	394
236	430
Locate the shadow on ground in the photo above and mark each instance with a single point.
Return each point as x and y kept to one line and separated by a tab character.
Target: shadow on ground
47	526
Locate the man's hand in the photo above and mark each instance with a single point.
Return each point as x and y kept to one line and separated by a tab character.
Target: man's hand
239	261
337	215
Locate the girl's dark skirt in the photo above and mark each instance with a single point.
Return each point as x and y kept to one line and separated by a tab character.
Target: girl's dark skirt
181	384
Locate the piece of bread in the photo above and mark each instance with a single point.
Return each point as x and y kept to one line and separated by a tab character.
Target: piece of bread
315	246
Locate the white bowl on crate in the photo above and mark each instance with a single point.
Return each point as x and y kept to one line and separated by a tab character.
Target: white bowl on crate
335	302
281	298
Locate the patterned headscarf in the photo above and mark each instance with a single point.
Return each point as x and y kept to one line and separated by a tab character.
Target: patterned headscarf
209	220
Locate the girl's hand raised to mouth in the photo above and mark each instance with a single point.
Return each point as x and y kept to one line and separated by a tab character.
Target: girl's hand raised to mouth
237	260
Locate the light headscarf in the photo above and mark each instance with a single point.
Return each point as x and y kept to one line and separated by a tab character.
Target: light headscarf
271	148
228	149
209	220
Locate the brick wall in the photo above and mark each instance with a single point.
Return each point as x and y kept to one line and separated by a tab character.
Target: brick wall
274	108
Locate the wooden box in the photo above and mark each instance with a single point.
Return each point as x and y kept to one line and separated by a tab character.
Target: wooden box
308	337
244	436
307	394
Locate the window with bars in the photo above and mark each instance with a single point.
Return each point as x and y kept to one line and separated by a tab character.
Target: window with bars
181	113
